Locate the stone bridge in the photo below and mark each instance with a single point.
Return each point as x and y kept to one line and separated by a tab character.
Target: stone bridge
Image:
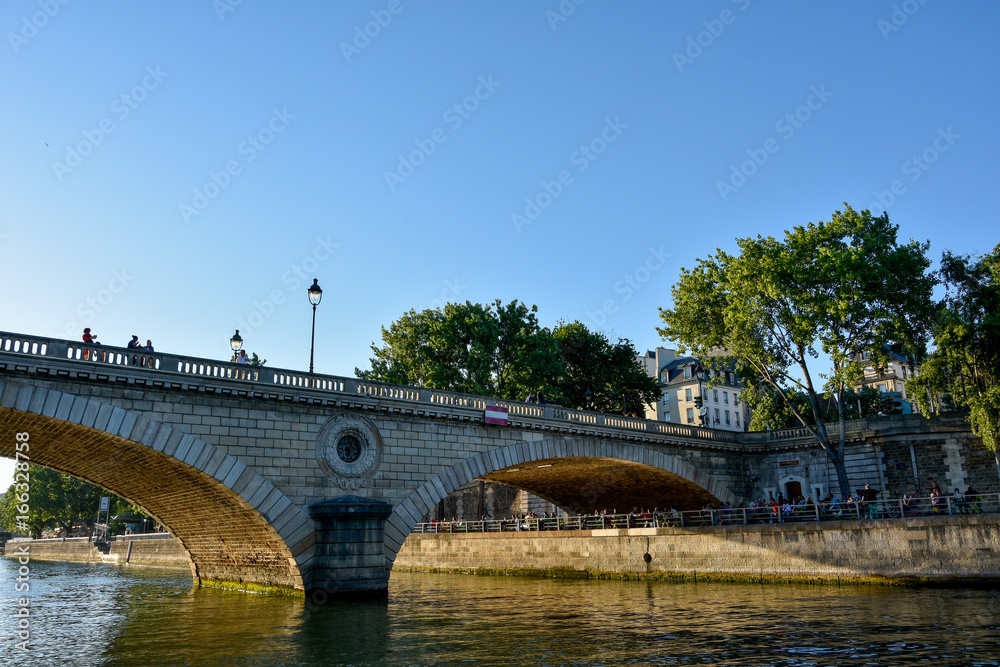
287	481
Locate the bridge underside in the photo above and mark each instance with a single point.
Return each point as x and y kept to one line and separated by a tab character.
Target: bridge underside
228	542
588	484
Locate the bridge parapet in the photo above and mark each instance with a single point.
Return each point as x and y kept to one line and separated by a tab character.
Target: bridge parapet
56	357
49	351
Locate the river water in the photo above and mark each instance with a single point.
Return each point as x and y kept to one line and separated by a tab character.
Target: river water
109	615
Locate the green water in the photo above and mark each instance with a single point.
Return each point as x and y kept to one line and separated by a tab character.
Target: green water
107	615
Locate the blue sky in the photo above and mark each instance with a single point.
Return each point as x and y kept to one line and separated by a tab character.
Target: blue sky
178	172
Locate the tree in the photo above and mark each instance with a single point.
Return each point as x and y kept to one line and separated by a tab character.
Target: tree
840	287
610	371
965	369
254	360
769	411
54	500
502	351
494	350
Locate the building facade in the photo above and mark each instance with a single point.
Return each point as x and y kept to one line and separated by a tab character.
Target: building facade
693	394
891	380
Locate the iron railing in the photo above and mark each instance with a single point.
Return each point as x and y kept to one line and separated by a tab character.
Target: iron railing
901	508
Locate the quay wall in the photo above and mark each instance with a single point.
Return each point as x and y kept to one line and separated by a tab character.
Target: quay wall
918	550
143	551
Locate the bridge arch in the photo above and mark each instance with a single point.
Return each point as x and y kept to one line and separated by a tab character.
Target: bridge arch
614	462
238	529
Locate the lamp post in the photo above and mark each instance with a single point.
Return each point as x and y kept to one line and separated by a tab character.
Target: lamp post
315	296
589	397
699	371
236	342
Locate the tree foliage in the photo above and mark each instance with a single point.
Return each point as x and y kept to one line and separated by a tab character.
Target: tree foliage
769	411
493	350
54	500
838	287
964	370
609	370
502	351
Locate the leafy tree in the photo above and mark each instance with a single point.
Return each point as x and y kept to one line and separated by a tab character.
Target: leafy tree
501	350
54	500
839	286
610	371
493	350
965	368
769	411
254	360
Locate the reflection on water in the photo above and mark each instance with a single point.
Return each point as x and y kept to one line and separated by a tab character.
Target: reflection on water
105	615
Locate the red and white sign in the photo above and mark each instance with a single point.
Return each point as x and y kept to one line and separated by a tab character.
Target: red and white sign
496	414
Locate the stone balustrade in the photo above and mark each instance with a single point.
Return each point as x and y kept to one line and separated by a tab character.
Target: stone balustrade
164	368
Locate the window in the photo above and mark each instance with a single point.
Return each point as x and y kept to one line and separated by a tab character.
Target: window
666	417
727	417
725	397
690	415
715	395
687	372
687	394
737	419
717	415
666	400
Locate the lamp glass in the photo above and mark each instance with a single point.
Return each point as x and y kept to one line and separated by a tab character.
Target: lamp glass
315	293
236	341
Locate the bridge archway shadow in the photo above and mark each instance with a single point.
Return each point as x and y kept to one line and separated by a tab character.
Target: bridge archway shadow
581	475
239	530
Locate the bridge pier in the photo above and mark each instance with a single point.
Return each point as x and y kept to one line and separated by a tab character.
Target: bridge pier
349	561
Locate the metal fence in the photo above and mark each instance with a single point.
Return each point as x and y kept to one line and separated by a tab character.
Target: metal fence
902	508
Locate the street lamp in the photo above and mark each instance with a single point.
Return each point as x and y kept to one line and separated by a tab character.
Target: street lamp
589	397
236	342
315	296
699	371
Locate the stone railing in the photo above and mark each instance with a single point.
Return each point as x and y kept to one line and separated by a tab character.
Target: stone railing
171	367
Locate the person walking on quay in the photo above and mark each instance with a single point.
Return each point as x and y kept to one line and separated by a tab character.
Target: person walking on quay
870	497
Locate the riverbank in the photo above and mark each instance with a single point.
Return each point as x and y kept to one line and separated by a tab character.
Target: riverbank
947	551
955	550
160	550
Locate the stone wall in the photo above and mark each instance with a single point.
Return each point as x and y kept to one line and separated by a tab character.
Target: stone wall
895	454
167	551
472	501
933	548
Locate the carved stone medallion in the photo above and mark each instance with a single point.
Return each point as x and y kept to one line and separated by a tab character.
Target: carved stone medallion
349	449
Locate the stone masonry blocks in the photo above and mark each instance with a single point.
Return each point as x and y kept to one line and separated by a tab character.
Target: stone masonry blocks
427	457
51	403
20	398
